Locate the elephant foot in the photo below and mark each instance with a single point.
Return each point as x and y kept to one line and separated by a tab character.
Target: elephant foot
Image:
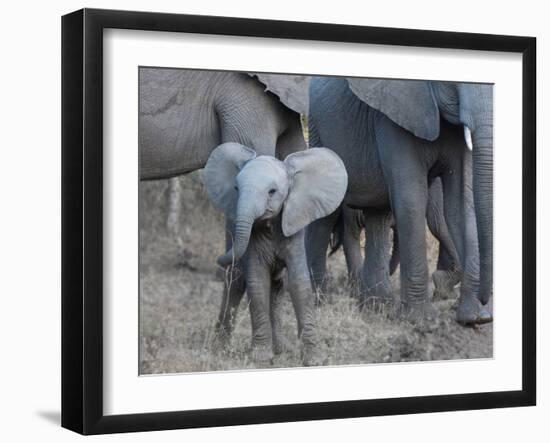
470	311
280	345
419	312
261	354
485	316
312	356
443	285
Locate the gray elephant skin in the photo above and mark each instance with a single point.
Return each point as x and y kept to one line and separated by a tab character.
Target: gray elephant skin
391	162
346	234
271	202
421	107
184	114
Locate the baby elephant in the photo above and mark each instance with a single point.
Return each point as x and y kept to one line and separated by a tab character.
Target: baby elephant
269	203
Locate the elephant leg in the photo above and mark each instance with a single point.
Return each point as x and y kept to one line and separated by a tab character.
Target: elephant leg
410	213
375	276
303	301
407	179
461	220
448	273
317	239
353	225
278	286
318	234
233	291
258	288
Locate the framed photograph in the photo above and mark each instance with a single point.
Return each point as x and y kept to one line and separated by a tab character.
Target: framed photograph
269	221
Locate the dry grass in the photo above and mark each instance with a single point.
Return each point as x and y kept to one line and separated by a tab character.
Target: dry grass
180	296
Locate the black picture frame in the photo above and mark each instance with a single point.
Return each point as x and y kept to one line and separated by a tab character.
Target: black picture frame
82	220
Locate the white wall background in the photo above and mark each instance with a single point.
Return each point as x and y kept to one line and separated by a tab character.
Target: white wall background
30	218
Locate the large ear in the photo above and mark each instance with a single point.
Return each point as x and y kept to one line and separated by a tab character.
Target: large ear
409	103
292	90
220	172
318	183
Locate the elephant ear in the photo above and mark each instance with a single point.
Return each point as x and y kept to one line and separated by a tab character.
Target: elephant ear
292	90
220	172
318	183
409	103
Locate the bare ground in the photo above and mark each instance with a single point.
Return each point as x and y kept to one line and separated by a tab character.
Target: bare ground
180	294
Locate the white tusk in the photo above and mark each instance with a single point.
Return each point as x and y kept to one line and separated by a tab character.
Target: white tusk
468	137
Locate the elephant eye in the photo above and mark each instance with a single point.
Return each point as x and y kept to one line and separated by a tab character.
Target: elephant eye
236	188
272	191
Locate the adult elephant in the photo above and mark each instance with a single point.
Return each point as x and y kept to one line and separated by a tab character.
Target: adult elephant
185	114
390	169
420	107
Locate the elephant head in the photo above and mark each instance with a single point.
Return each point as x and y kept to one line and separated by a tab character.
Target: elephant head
418	107
304	187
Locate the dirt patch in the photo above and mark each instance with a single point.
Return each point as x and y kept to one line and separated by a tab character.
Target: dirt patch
180	295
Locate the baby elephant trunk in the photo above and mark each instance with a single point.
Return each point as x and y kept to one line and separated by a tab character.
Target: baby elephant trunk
246	214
